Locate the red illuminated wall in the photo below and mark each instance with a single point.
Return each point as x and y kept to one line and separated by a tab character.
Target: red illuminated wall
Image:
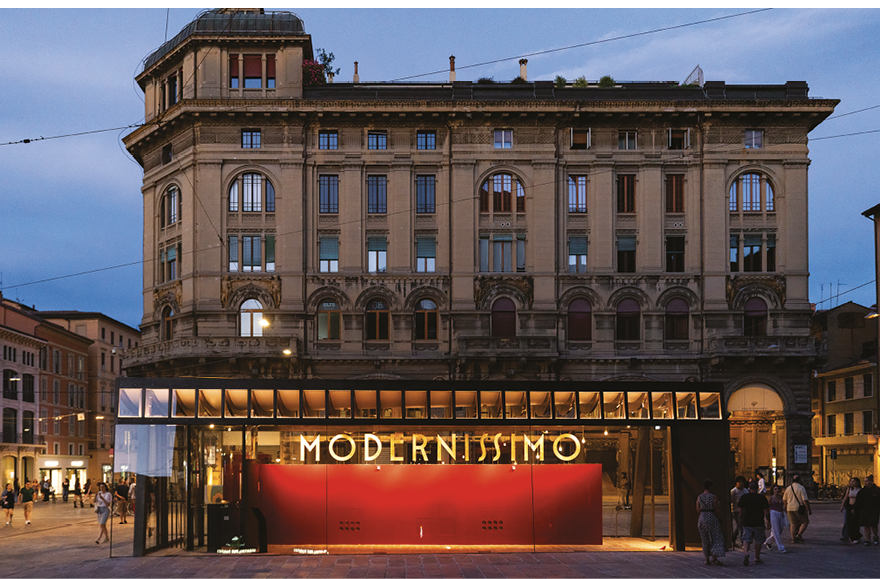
432	504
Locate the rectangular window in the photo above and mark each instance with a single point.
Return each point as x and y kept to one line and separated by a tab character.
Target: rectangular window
754	139
577	194
520	252
57	421
270	253
867	385
626	140
377	194
771	253
502	193
233	71
848	389
577	254
251	259
328	140
112	360
426	254
250	139
253	71
425	193
752	253
580	139
426	140
626	254
674	253
170	265
484	253
328	194
172	89
502	253
270	71
103	361
679	139
27	392
831	388
56	362
377	140
675	194
328	248
848	423
44	421
868	422
377	253
503	139
734	253
831	425
71	426
233	257
626	193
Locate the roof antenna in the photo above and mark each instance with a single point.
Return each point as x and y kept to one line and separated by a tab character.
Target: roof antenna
695	77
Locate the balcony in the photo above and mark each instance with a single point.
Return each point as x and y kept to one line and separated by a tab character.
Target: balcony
534	347
212	347
762	346
847	440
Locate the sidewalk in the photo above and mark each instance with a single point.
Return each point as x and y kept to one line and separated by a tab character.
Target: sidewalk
60	543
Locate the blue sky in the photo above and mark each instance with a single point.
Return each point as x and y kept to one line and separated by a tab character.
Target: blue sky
73	204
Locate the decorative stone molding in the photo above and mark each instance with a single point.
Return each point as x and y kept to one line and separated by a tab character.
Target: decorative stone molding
167	294
741	287
235	289
486	287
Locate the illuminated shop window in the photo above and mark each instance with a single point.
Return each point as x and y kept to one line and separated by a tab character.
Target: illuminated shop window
662	405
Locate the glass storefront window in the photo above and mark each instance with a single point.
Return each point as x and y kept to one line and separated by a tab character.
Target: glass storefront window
210	403
540	402
710	405
236	403
340	404
365	404
564	403
686	405
441	404
490	405
314	404
515	405
416	404
156	405
130	402
391	403
662	405
589	405
637	405
288	403
262	403
183	404
612	404
466	404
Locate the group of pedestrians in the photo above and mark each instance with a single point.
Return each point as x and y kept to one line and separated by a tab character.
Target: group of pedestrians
861	512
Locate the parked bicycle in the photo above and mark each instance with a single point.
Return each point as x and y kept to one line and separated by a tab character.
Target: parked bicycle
829	492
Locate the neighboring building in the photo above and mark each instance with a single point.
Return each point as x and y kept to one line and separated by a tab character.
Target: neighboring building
110	338
21	442
501	242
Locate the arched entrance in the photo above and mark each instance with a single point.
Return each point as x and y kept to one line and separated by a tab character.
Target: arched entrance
757	431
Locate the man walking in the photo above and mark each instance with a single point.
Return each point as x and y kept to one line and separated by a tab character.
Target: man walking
797	508
736	493
755	518
121	492
26	499
868	509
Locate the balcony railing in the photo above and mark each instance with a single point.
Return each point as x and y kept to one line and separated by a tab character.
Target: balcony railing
515	346
19	438
213	347
770	346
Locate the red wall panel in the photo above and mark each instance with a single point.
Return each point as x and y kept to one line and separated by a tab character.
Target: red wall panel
568	504
293	498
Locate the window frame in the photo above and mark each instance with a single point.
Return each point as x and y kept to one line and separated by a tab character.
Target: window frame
581	320
332	321
377	194
254	317
426	140
426	244
170	206
675	136
506	138
675	193
377	254
677	320
328	194
626	258
626	194
675	256
577	194
328	140
256	187
580	132
503	320
426	319
753	139
574	251
627	140
627	323
377	319
377	140
251	139
328	264
426	194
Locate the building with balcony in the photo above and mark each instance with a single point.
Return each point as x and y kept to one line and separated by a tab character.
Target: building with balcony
477	238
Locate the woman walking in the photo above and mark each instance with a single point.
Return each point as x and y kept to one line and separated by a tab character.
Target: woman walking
848	506
777	519
87	489
103	500
710	525
7	501
77	494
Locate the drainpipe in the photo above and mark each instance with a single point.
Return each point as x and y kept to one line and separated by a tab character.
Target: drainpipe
449	228
305	241
702	250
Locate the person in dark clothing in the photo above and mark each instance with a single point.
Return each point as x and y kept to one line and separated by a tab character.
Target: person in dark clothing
65	490
44	487
121	494
868	508
736	492
77	494
755	517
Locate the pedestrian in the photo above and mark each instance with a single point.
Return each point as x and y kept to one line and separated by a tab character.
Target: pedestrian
850	513
103	500
797	508
625	489
15	486
26	498
868	508
65	490
736	493
7	501
755	512
132	495
87	489
44	487
777	519
77	494
121	494
709	525
762	486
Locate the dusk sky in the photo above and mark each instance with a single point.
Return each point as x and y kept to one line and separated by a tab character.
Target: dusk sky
72	205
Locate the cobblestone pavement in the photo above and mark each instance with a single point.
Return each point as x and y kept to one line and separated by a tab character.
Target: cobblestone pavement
61	543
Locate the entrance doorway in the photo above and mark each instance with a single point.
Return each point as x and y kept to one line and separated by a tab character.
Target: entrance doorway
757	431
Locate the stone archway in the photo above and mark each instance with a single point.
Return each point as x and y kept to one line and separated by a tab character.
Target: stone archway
757	430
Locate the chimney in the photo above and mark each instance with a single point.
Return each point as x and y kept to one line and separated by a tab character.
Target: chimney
522	69
356	78
451	69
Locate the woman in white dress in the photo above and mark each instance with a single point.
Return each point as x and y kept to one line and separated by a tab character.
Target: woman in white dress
103	501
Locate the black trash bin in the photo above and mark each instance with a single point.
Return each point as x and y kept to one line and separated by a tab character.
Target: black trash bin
224	526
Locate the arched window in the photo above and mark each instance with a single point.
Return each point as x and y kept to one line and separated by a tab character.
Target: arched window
251	319
329	320
628	315
677	314
500	188
755	318
170	208
251	192
503	318
377	320
749	191
167	329
580	320
426	320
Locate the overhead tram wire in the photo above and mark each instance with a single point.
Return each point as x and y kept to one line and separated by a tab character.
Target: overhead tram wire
835	296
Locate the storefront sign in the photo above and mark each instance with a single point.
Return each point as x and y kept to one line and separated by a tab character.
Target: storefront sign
342	447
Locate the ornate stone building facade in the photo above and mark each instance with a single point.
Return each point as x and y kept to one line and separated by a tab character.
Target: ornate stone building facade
462	231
